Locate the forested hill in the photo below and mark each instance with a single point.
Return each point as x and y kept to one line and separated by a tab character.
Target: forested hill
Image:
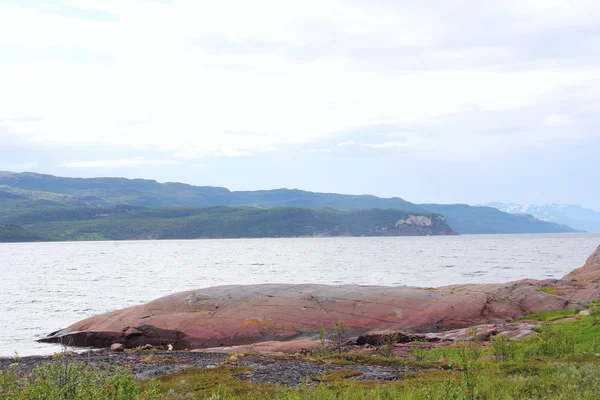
14	233
106	192
125	222
26	192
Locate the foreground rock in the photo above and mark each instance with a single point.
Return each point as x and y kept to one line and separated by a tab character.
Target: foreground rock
482	333
247	314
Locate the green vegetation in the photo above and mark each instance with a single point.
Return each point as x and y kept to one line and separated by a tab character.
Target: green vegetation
322	351
24	193
549	290
16	233
127	222
339	335
367	359
65	378
585	332
549	316
387	347
196	383
493	381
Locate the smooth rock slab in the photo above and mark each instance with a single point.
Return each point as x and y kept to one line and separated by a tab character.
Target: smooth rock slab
245	314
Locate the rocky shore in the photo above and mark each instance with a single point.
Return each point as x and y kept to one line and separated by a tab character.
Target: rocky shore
260	368
143	365
269	333
285	317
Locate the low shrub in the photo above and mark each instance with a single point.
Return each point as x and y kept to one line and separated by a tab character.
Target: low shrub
66	378
504	348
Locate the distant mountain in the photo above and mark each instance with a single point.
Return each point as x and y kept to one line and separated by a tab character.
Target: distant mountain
23	193
105	192
573	215
476	220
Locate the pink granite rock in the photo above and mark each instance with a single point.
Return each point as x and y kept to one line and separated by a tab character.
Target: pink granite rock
590	272
515	330
245	314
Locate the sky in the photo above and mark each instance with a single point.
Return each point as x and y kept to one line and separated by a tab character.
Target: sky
447	102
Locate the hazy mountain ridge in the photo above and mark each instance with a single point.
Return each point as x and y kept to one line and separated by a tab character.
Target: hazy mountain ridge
575	216
488	220
29	192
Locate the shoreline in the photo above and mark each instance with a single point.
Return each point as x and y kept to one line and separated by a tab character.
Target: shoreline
583	233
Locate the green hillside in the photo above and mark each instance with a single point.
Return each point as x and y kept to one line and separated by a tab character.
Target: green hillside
126	222
23	193
105	192
15	233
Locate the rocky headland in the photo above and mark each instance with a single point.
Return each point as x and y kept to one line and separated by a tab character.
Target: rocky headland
285	317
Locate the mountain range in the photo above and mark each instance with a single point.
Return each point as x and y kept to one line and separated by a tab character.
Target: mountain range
72	207
575	216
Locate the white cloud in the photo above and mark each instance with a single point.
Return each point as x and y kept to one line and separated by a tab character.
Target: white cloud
18	167
287	73
555	119
132	162
225	152
403	140
317	151
403	134
386	145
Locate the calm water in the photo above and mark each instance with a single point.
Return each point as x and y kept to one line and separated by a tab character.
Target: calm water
47	286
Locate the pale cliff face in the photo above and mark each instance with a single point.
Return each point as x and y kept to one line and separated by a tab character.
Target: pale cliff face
419	220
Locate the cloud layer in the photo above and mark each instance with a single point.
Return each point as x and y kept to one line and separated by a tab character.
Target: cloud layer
465	80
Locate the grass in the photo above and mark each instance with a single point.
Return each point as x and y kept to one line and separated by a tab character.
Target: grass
66	378
549	290
585	331
593	304
199	383
492	381
549	316
367	359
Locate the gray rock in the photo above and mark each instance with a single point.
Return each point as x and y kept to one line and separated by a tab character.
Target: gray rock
117	347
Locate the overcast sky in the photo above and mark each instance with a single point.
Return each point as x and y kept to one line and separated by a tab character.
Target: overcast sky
431	101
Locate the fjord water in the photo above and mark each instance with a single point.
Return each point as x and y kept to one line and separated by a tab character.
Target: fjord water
47	286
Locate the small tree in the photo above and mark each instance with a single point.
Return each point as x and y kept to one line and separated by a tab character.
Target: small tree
322	345
504	348
388	344
339	335
418	352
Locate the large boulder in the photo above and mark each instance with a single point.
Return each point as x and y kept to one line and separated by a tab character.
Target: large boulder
589	273
246	314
